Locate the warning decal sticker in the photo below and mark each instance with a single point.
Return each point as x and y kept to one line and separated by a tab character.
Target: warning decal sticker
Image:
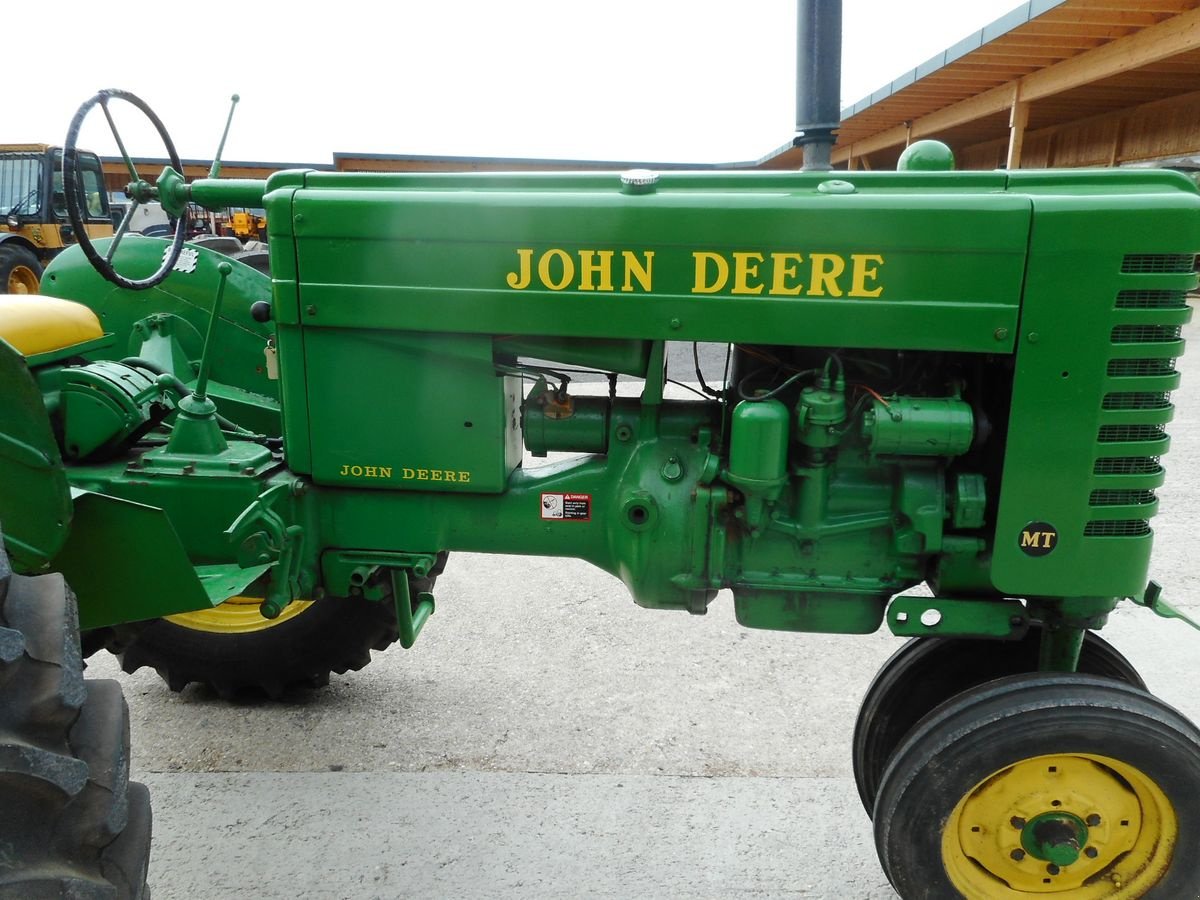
568	507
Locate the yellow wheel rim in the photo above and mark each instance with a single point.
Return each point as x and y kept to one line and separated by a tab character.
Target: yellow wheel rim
22	280
237	615
1125	826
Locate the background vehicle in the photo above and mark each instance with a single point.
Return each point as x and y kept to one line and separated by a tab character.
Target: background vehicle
246	225
33	214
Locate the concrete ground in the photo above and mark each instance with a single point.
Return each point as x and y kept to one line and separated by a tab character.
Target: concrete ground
547	738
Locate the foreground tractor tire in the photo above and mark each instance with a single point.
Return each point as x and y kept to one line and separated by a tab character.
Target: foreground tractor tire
232	649
20	271
73	825
926	672
1044	785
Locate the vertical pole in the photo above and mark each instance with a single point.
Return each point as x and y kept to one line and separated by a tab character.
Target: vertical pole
1119	138
1018	118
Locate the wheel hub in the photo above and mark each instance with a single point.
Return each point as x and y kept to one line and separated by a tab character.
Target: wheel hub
1055	837
1051	824
22	280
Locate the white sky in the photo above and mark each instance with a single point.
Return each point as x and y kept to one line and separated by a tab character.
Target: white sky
636	80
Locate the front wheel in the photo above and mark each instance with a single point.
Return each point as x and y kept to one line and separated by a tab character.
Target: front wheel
20	271
1038	786
927	671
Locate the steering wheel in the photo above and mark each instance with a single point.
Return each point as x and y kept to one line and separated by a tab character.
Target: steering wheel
139	190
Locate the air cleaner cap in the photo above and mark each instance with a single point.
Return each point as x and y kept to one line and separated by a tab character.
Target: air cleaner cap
639	181
926	156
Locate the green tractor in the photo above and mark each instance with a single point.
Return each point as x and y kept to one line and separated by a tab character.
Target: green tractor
959	379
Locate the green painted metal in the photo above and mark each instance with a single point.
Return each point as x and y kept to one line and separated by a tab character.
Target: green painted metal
1055	837
904	339
103	405
221	582
919	426
1099	331
1153	600
574	424
915	616
35	501
112	546
926	156
165	325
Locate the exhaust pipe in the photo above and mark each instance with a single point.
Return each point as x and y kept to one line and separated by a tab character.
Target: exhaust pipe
818	79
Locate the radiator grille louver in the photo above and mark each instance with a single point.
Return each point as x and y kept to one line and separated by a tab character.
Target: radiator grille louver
1158	263
1128	465
1135	416
1152	300
1140	368
1126	400
1145	334
1112	434
1118	528
1105	497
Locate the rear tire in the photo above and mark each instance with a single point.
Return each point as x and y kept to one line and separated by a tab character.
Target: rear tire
233	650
20	271
73	823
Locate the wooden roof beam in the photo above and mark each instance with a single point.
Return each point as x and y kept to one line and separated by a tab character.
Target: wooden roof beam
1120	18
1176	35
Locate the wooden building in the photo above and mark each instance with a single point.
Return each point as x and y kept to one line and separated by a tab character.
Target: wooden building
1053	83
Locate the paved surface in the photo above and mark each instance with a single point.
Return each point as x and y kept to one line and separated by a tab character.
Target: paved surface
547	738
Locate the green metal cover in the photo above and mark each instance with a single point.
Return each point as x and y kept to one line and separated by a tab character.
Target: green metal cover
1099	334
113	546
35	501
767	258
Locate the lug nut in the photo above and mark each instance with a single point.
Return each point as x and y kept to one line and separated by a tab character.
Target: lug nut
1018	855
1016	822
1093	820
1091	852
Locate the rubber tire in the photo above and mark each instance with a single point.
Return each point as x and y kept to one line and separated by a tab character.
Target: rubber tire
333	635
926	672
983	730
73	824
13	255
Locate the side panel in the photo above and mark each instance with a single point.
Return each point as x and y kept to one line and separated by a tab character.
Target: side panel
113	546
408	410
755	261
1099	335
35	502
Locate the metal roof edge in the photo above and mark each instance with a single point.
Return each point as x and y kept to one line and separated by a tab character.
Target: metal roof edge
525	161
1011	20
272	166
